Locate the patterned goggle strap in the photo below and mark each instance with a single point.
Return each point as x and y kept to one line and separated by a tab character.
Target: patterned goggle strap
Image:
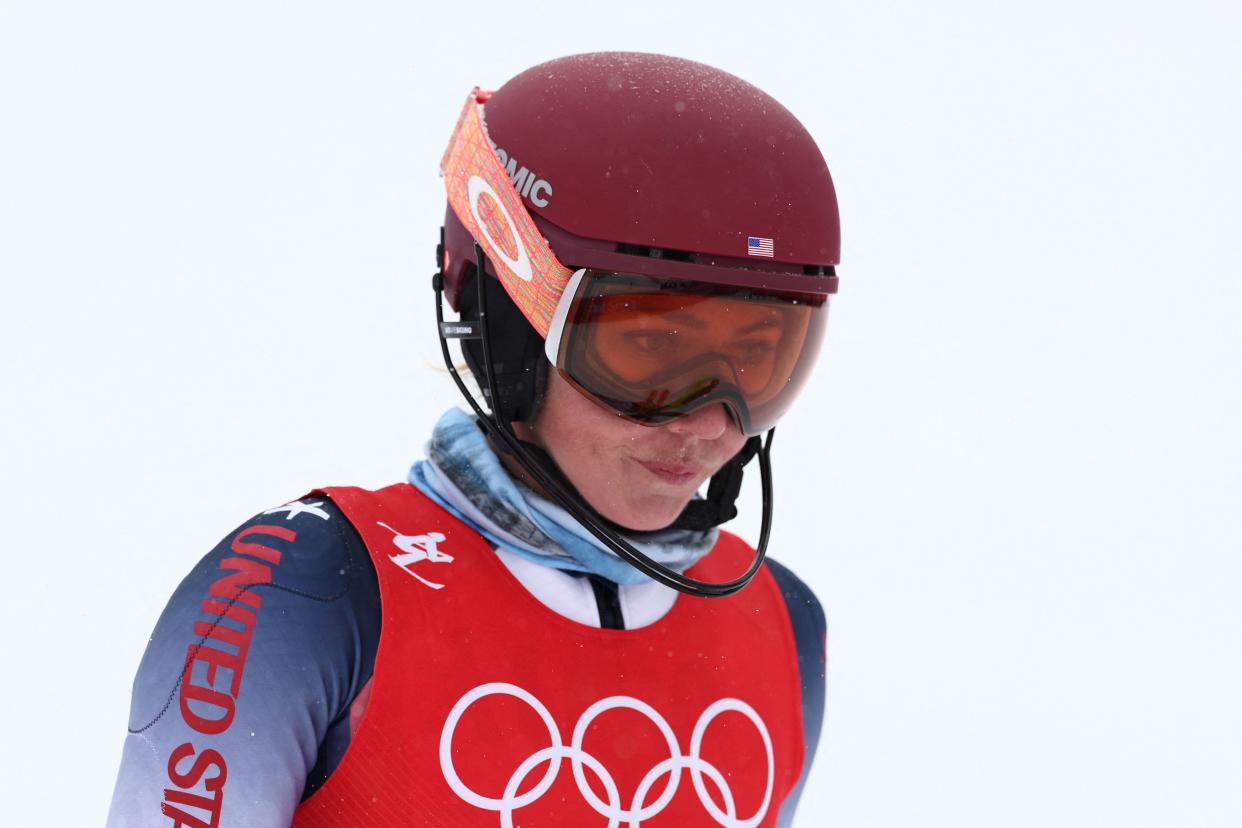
490	207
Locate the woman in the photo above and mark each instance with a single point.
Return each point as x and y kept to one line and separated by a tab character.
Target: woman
545	625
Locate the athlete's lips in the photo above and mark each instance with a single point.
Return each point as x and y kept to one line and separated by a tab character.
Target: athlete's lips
671	471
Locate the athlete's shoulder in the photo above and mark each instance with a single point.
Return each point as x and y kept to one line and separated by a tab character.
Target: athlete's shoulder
257	654
295	571
795	591
308	547
810	633
398	498
799	598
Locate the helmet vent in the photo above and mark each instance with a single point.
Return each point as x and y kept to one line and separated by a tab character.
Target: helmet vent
656	252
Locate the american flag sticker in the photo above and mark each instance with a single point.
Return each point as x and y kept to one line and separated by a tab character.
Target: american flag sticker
756	246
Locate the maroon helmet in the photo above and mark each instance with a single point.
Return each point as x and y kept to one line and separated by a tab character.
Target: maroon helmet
662	166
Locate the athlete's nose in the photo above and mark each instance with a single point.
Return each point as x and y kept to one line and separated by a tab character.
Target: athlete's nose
706	423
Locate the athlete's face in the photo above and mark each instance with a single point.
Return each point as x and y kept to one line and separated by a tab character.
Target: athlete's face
640	477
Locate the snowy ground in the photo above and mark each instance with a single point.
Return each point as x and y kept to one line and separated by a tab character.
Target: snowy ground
1014	481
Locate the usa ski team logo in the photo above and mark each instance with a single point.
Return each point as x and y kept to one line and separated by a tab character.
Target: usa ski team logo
418	549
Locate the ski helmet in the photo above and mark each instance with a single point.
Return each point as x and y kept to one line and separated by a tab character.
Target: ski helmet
602	187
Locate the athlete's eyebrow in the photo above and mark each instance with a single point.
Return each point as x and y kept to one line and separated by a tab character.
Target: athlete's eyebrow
770	322
690	320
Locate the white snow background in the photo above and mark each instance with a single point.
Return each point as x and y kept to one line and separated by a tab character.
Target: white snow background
1013	482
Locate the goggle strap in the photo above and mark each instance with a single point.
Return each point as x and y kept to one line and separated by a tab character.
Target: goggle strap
487	204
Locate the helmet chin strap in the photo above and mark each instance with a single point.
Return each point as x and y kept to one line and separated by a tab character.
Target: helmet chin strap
722	491
726	484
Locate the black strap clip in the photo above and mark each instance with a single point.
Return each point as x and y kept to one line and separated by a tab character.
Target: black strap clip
460	330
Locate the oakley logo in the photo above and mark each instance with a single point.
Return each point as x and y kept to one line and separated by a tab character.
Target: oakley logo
415	549
520	266
525	181
642	805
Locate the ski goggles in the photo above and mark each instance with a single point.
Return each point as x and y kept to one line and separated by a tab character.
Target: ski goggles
653	349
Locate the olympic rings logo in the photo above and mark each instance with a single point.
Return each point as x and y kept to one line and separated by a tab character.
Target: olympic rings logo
640	809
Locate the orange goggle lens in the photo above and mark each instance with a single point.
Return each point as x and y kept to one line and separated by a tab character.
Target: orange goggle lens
653	350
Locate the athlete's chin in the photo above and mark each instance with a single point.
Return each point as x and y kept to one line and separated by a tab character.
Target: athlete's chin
648	500
650	514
